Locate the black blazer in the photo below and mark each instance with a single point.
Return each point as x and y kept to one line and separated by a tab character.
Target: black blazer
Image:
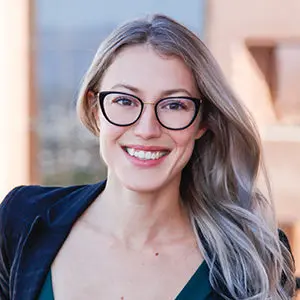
34	223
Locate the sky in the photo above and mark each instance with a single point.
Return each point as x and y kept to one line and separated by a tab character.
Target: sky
73	14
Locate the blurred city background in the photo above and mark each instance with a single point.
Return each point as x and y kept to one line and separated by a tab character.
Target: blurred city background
46	47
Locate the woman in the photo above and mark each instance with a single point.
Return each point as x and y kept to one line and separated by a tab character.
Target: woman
180	215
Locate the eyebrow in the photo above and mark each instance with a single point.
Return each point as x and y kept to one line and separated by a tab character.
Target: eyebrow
163	94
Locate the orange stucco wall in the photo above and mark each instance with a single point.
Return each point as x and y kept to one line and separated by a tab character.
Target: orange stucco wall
232	28
17	105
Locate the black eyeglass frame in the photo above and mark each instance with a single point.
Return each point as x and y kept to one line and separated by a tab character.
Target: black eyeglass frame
101	96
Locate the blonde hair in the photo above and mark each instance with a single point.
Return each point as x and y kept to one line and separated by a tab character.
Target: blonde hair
235	223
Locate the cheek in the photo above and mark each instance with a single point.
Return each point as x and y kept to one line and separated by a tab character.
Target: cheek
109	135
186	137
108	130
185	142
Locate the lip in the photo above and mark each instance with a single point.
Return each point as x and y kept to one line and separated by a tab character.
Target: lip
145	163
146	148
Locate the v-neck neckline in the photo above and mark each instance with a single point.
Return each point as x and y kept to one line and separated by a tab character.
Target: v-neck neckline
197	286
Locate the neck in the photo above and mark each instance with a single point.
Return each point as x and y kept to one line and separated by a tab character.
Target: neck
140	219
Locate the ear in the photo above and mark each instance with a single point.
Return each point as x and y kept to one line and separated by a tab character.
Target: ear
200	132
91	99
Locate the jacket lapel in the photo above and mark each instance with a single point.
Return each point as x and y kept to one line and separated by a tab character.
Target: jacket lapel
46	235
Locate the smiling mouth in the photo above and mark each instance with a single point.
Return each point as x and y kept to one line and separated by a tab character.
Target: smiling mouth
146	155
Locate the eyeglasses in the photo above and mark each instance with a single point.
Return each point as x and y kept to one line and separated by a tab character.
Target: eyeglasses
123	109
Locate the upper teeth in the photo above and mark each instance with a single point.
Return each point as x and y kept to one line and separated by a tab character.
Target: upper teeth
145	154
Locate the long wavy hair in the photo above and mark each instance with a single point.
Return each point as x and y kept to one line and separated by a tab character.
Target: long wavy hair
233	221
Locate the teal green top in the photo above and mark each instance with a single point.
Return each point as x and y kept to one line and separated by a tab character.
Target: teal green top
47	291
197	288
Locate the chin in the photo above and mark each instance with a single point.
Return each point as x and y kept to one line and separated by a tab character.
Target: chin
146	183
142	186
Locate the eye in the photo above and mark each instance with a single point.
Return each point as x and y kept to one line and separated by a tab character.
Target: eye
125	101
174	104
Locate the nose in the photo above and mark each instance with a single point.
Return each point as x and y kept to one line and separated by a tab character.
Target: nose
147	126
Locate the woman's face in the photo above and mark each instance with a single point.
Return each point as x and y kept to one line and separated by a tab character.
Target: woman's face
146	156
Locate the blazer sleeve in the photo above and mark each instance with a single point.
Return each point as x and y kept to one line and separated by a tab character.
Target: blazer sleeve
5	246
284	240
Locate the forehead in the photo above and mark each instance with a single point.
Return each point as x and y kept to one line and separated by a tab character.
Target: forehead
141	66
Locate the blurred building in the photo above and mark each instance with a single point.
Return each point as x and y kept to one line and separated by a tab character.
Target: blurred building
257	44
18	149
